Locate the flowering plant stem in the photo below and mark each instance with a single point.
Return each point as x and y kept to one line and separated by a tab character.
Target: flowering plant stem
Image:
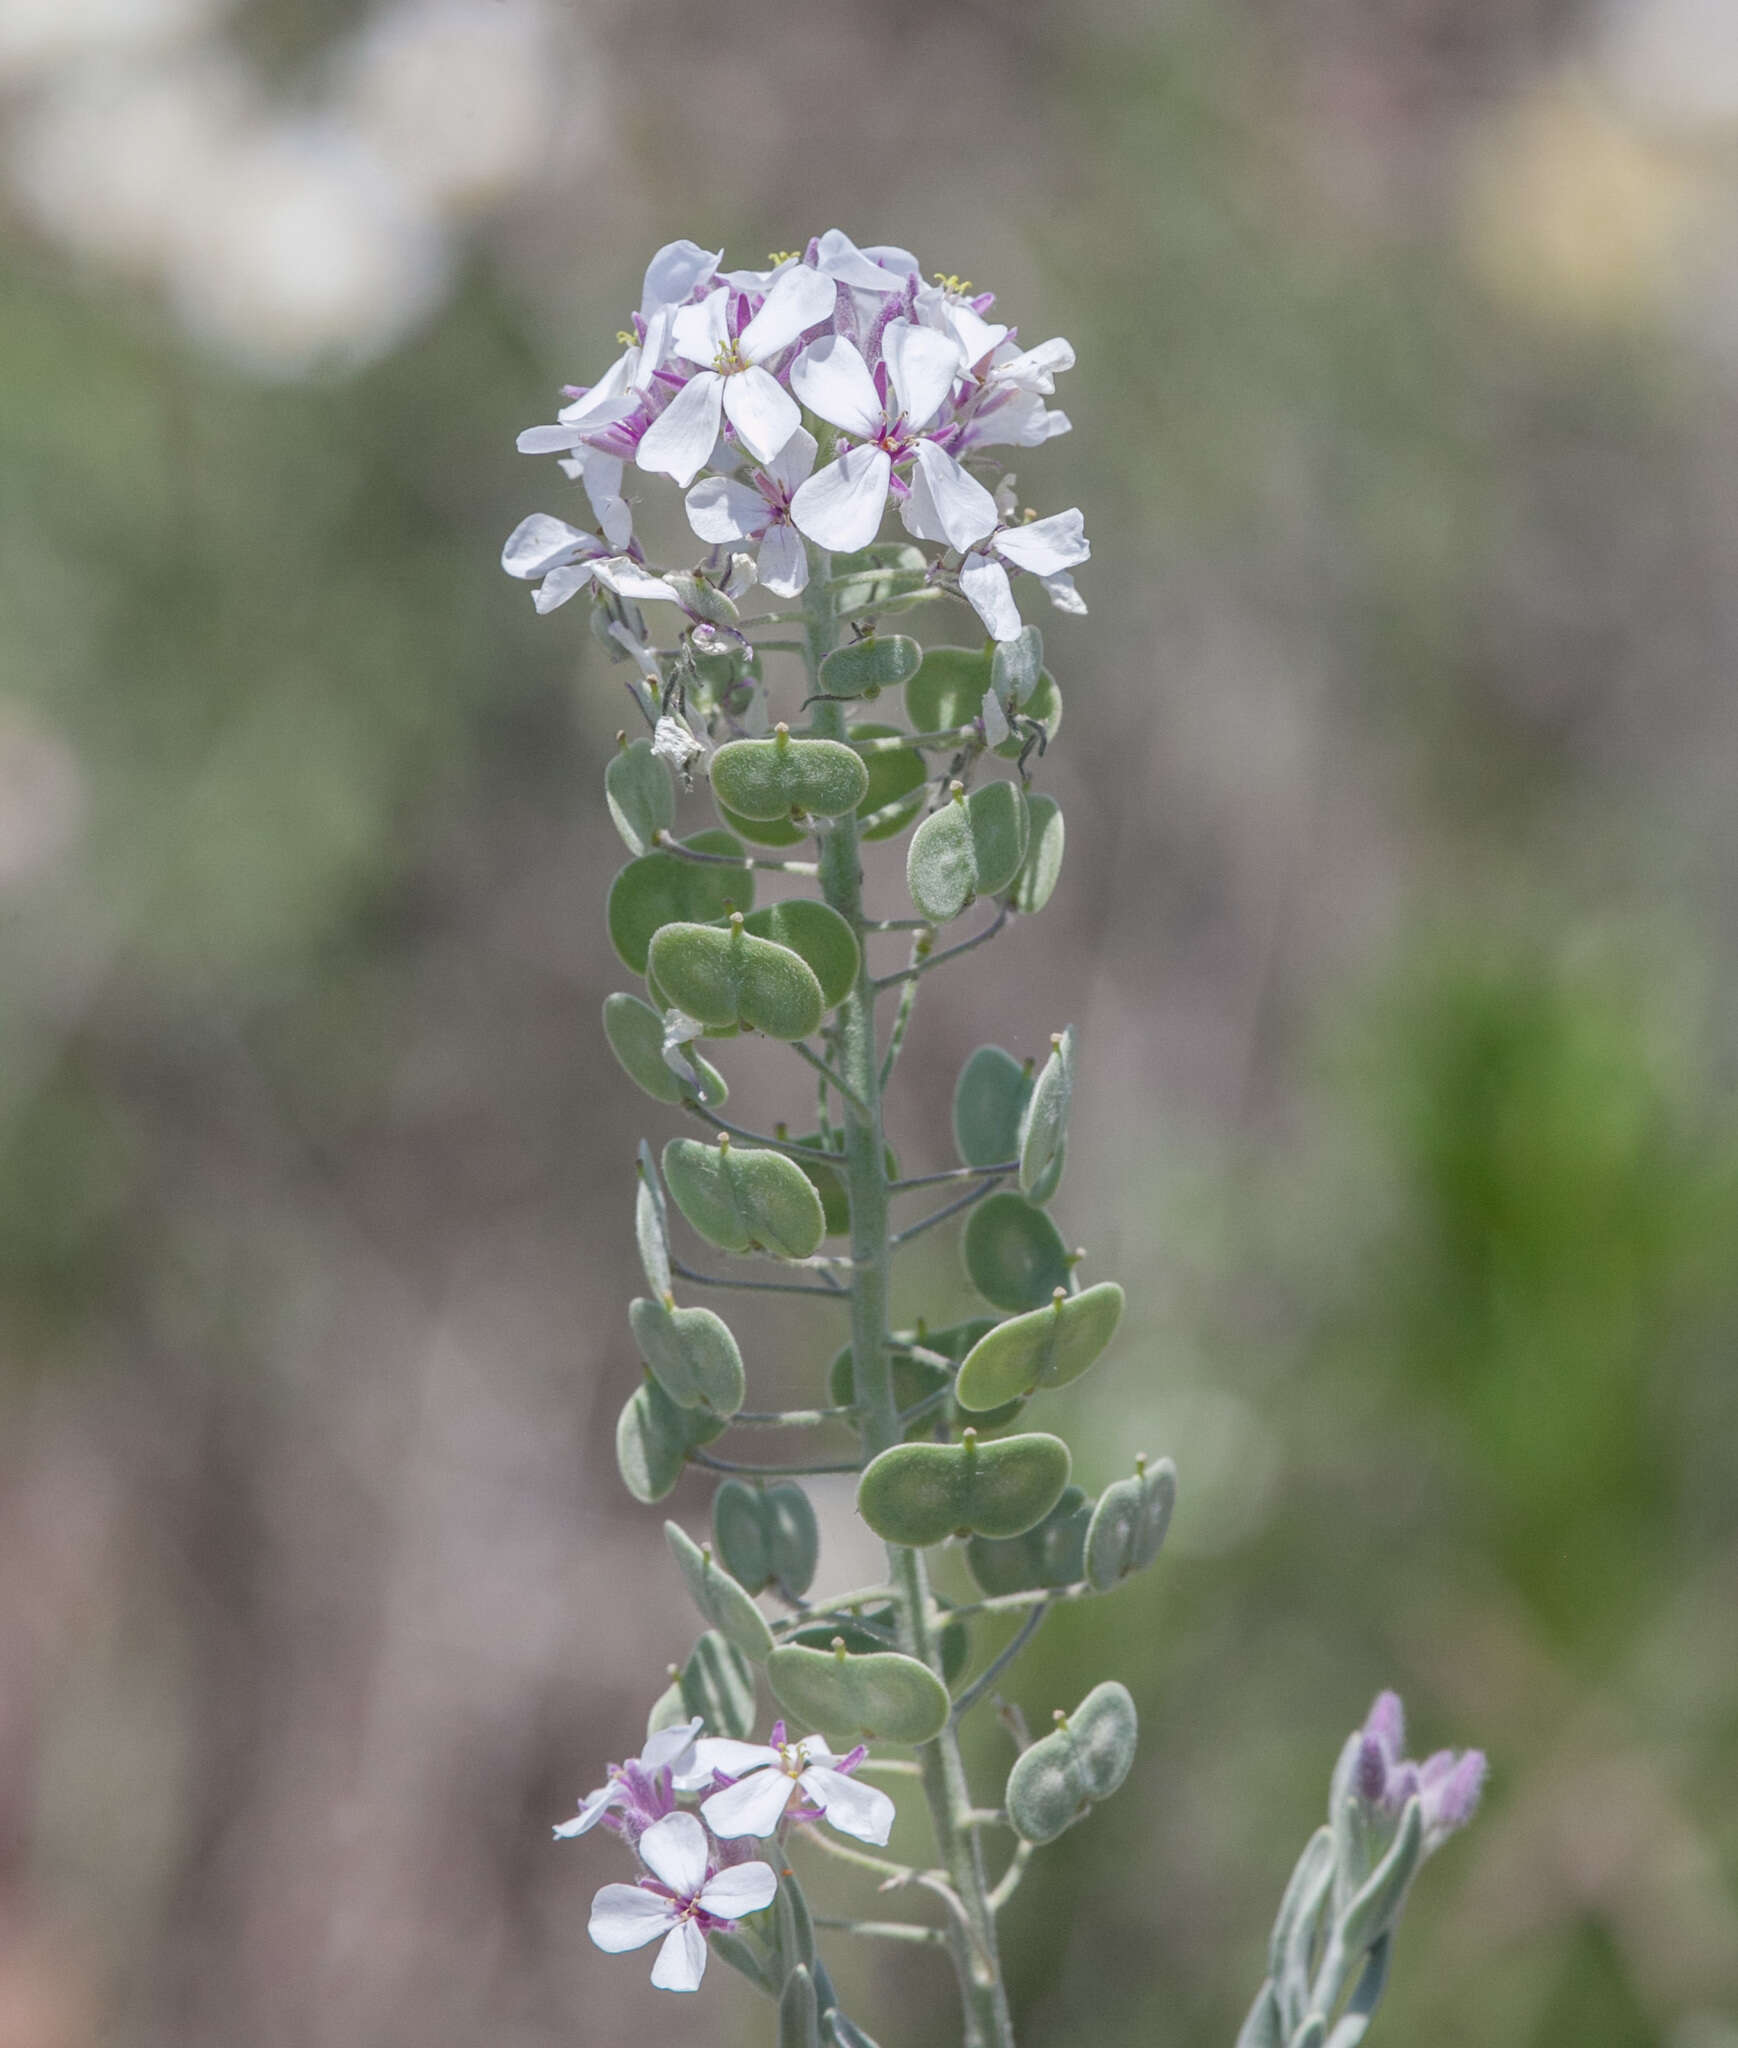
972	1945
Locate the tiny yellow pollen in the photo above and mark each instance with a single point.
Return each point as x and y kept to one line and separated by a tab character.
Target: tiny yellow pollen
777	256
626	339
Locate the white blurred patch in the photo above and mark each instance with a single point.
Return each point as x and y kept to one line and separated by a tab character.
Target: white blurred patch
37	35
1673	61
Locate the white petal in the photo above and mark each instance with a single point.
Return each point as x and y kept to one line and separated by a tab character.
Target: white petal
794	460
752	1806
1062	594
975	335
949	500
801	299
625	1916
673	273
682	1960
984	585
561	584
679	440
739	1889
921	365
761	410
891	257
547	440
670	1745
699	332
840	257
853	1808
1046	545
1037	369
623	575
832	379
720	510
602	477
784	561
720	1753
840	507
537	544
674	1851
592	1809
1023	422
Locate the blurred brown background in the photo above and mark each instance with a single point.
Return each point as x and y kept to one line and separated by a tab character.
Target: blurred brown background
1399	927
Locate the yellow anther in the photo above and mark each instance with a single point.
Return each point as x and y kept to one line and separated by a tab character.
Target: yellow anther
626	339
778	256
958	286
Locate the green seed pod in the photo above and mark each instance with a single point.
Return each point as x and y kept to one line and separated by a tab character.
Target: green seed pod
717	1683
763	831
1042	868
1129	1524
1044	1127
873	575
702	599
1083	1761
866	667
1050	1179
830	1185
818	936
919	1493
772	778
667	1709
719	1598
948	690
652	1224
953	1642
1052	1554
799	2016
636	1036
881	1697
767	1536
1016	666
662	888
690	1353
654	1437
896	785
640	795
989	1100
1014	1253
730	977
971	847
1047	1347
915	1381
744	1198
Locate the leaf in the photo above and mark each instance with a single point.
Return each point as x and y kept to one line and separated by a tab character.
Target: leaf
1014	1253
636	1036
989	1099
1042	868
654	1437
652	1224
799	2015
662	888
717	1683
641	796
719	1598
1048	1555
896	785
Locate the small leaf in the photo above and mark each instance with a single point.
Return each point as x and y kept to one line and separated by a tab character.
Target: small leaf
744	1198
1372	1913
819	937
717	1683
1014	1253
767	1536
866	667
745	1957
796	1928
919	1493
1047	1347
883	1697
636	1036
730	977
773	778
1044	1127
662	888
1083	1761
799	2016
1311	2034
1262	2028
1049	1555
652	1224
989	1100
844	2033
653	1438
719	1598
640	794
1042	868
1129	1524
896	785
690	1353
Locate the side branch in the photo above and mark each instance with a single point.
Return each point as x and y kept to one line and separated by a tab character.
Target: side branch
1003	913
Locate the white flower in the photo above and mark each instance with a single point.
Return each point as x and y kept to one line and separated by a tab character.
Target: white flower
563	560
673	740
948	504
683	1902
841	507
769	1776
671	1748
722	509
733	381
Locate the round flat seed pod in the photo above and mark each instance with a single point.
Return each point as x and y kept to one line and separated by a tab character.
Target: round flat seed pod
1055	1782
896	785
918	1494
819	937
725	975
786	831
881	1697
719	1598
744	1198
948	690
972	846
999	834
1052	1554
1047	1347
654	1437
767	1536
831	1186
989	1100
690	1353
717	1683
1013	1253
866	667
640	794
1044	1127
1015	667
1129	1524
652	1224
774	777
662	888
1040	871
636	1036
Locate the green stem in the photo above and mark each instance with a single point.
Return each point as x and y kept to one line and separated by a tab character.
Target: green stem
972	1932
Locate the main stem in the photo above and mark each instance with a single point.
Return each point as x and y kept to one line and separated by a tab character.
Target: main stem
984	2001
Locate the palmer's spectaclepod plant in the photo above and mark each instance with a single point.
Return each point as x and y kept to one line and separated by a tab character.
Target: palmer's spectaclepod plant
797	407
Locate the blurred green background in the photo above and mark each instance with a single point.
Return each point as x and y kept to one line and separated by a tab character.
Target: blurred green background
1398	927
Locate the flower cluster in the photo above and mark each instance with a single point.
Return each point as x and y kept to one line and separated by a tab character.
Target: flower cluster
1446	1785
909	389
700	1875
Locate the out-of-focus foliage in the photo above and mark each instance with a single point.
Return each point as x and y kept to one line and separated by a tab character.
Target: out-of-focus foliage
1396	923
